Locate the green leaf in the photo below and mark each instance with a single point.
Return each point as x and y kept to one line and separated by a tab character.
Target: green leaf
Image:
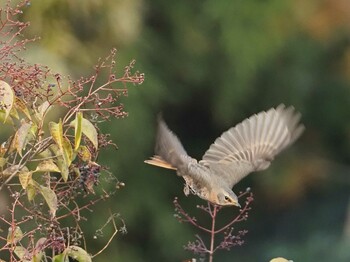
7	98
78	254
22	253
60	258
74	252
20	105
48	194
13	236
39	246
33	129
89	130
78	130
63	168
39	257
5	120
3	162
44	154
31	191
14	113
21	137
47	166
50	198
55	150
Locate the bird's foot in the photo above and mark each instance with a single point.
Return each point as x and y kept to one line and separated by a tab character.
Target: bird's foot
189	190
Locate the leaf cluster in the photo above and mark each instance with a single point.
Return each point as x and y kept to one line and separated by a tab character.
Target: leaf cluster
50	157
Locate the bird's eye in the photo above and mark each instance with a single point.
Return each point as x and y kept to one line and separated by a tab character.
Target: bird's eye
227	199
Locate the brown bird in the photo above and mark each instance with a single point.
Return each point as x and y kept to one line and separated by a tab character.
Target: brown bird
247	147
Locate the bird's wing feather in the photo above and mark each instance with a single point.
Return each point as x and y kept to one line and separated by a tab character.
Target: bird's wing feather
169	150
223	172
253	144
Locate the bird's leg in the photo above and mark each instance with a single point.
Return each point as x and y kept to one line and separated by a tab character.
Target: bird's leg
189	190
186	190
189	186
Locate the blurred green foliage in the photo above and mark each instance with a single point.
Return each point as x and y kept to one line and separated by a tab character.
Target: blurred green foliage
208	65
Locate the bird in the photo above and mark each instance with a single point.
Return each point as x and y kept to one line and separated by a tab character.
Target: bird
248	147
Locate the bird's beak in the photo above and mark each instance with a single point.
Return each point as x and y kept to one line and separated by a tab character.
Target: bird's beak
237	204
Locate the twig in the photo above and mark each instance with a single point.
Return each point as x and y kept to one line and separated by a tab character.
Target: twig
228	240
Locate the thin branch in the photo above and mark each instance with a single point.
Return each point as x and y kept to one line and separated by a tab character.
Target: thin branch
110	239
229	239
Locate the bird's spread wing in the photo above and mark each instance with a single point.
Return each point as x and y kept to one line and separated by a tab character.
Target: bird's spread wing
253	144
229	173
169	150
171	154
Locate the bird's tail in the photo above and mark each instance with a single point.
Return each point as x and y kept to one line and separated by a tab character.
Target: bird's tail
158	161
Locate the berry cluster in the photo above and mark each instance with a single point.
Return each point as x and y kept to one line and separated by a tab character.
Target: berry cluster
89	175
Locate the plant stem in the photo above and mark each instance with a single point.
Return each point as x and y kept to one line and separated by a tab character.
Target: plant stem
212	234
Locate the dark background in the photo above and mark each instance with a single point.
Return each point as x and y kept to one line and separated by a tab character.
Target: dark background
208	65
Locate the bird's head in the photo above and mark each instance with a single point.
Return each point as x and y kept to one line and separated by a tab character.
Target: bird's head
224	197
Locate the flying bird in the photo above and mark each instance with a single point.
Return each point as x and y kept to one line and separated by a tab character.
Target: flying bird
248	147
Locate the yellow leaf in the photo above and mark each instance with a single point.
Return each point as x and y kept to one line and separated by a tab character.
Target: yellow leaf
21	137
20	105
60	162
56	131
7	98
64	146
84	153
78	130
63	143
25	178
42	110
9	171
47	166
67	151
